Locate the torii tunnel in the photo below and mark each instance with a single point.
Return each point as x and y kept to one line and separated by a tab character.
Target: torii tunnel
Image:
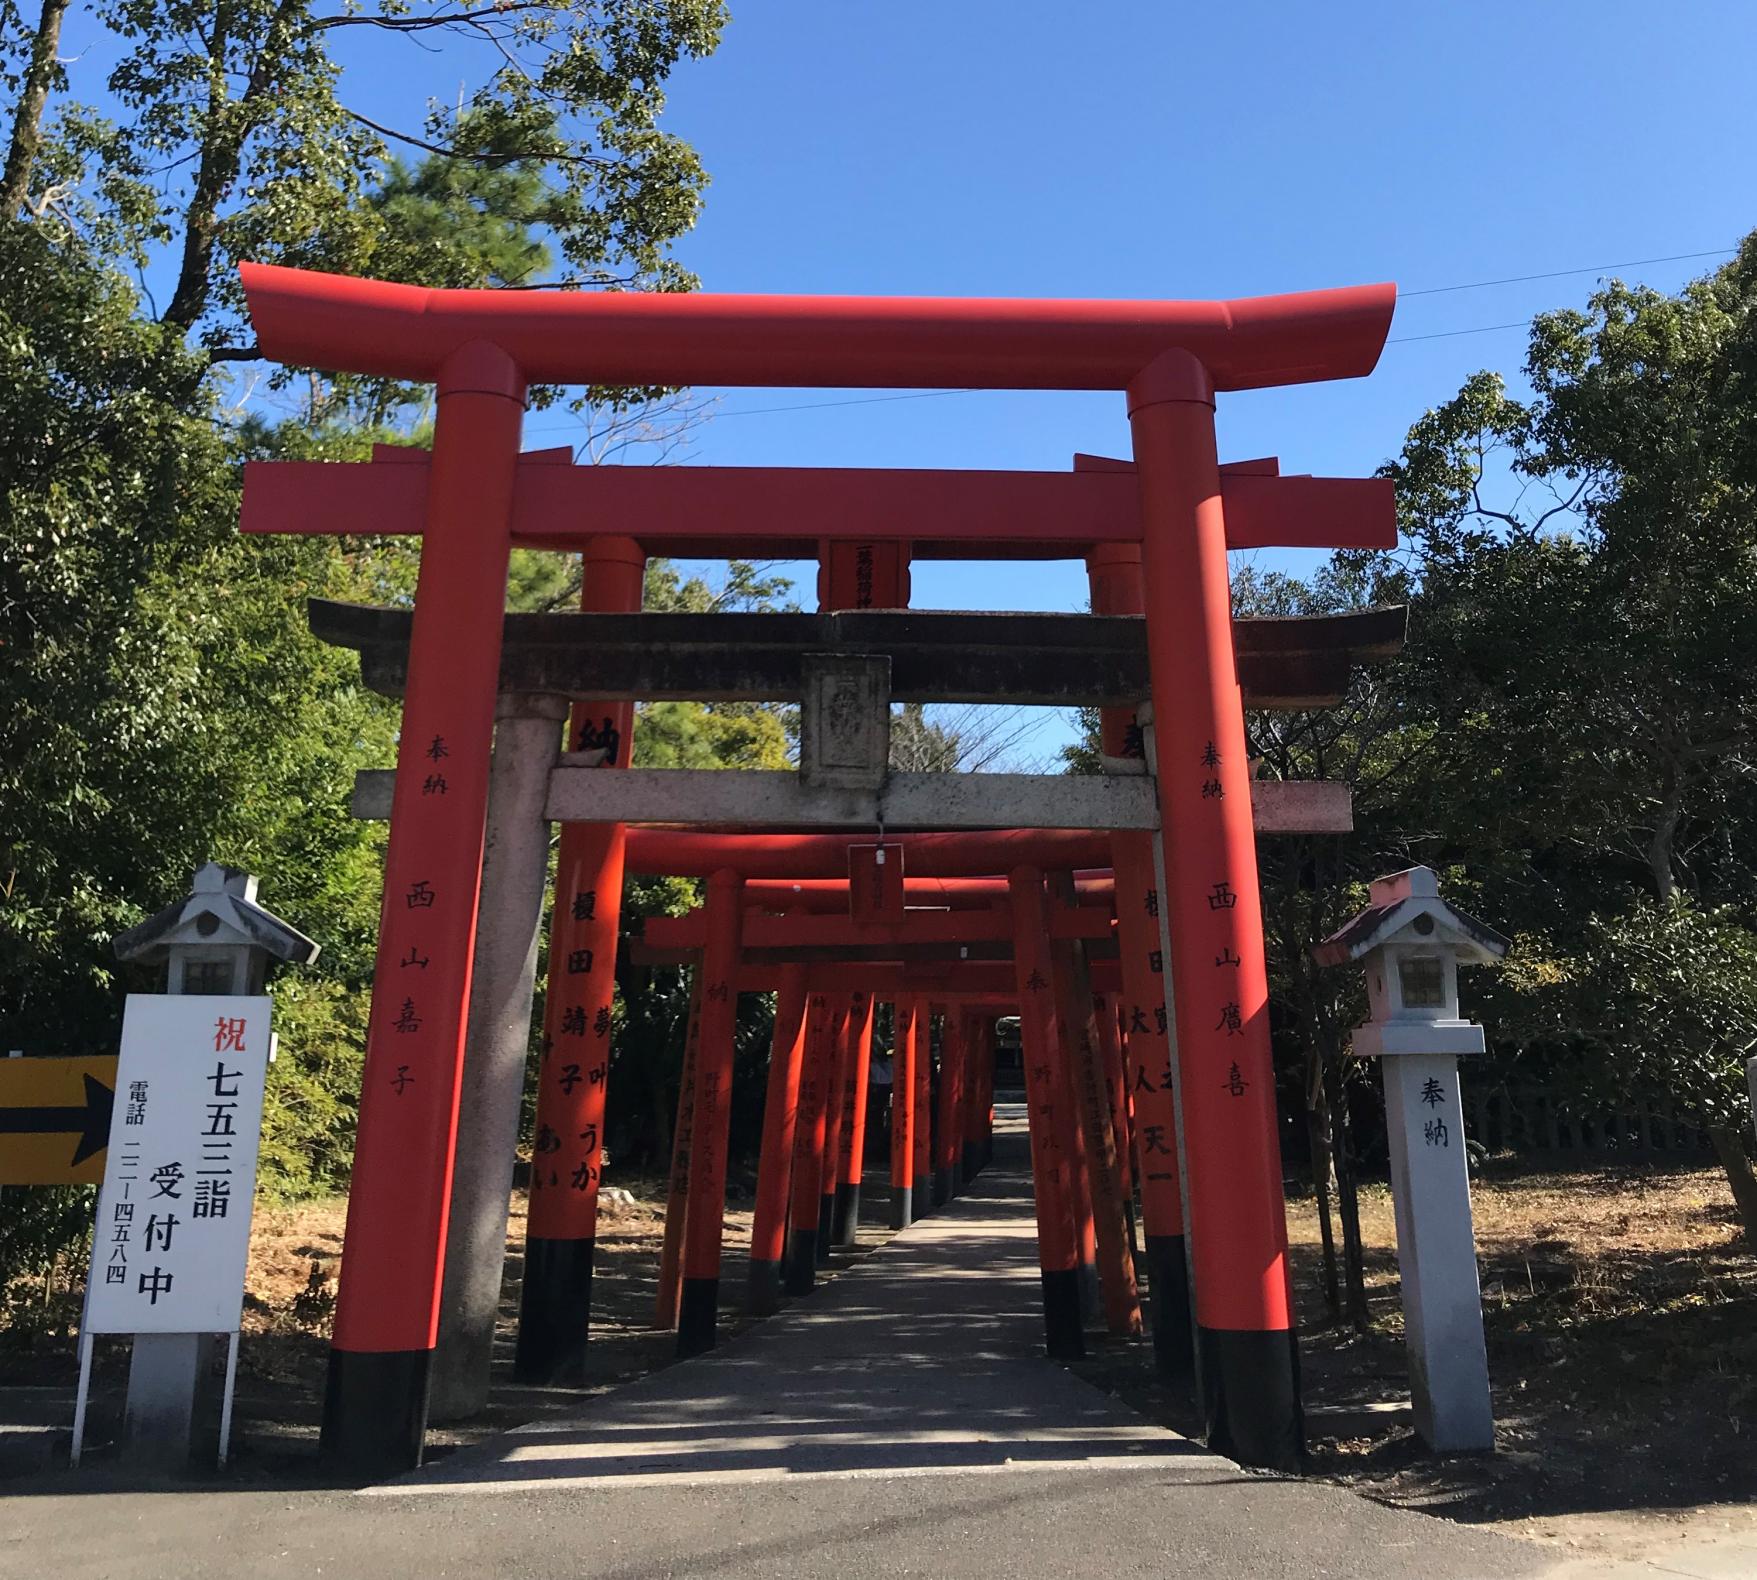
1117	916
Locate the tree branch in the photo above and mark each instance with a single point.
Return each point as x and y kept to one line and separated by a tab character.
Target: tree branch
422	24
543	155
27	121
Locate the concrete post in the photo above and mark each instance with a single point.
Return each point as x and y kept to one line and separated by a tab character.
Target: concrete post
1436	1253
166	1373
515	865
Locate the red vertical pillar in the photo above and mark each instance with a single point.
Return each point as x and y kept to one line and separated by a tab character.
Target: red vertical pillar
808	1146
677	1194
946	1135
903	1116
1074	1139
976	1099
1115	573
1052	1162
1214	909
699	1306
573	1077
387	1312
774	1179
967	1044
835	1097
845	1222
1089	1104
922	1168
989	1060
1117	1089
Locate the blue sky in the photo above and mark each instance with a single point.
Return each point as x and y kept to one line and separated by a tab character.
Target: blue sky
971	147
1120	150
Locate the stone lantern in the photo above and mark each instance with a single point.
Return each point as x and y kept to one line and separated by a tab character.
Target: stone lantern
216	939
1412	944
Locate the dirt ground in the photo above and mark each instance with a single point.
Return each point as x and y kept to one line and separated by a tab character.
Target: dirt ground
1620	1306
1620	1309
295	1253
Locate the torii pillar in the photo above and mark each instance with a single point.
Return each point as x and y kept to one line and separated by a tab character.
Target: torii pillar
387	1310
1220	982
1115	573
845	1224
907	1046
822	1026
774	1180
698	1311
573	1075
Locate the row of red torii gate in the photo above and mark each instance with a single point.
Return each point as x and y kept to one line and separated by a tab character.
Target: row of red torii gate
1116	915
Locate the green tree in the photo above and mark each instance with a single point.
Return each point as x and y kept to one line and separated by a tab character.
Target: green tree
161	701
237	139
1579	701
715	734
919	745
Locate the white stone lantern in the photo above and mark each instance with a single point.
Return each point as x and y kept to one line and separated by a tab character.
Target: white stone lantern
216	939
1412	943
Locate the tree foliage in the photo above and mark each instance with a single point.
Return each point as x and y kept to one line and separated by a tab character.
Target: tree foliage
1568	735
239	138
161	701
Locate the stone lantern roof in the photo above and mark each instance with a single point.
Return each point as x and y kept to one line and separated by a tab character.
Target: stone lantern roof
220	908
1399	901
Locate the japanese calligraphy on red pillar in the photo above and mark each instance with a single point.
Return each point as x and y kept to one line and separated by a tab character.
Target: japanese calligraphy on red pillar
579	1017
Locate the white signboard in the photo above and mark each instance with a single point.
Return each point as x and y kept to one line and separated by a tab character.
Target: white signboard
173	1225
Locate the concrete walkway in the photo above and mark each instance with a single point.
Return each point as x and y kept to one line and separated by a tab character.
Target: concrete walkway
921	1359
898	1422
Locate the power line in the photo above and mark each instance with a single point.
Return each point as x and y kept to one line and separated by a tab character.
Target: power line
1394	340
816	405
1447	334
861	400
1560	274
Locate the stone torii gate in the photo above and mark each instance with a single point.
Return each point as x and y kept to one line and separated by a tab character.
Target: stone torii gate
474	499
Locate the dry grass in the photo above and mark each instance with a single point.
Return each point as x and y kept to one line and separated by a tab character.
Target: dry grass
1620	1308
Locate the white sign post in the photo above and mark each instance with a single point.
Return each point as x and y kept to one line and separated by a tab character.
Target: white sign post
173	1227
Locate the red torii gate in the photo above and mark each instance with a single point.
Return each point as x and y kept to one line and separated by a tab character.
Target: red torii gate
1076	1087
482	349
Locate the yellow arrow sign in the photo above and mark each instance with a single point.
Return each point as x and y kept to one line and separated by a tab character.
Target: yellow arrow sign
55	1119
